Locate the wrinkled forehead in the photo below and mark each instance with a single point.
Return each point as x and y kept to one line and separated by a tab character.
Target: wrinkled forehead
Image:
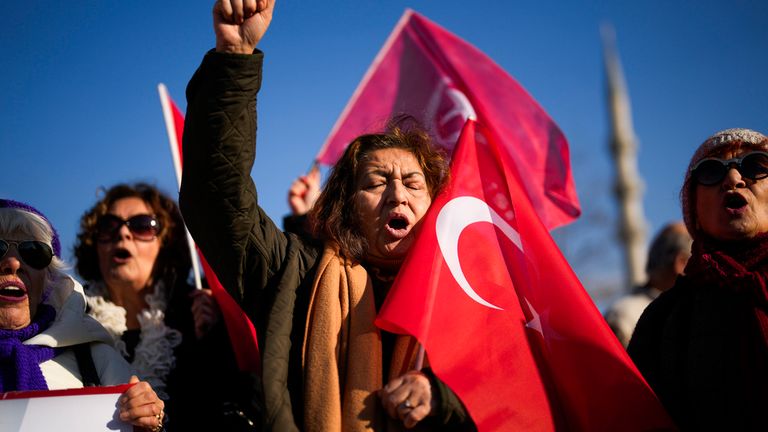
389	159
734	150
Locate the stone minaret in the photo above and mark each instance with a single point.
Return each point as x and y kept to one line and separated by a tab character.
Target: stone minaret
628	186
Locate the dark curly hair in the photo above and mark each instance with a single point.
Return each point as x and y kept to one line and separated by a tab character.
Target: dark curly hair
172	262
334	215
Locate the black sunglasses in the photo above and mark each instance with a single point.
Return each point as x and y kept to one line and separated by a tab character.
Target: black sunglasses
35	254
712	171
143	227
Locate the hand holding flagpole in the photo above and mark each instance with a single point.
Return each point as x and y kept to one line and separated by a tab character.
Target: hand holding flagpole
304	191
408	398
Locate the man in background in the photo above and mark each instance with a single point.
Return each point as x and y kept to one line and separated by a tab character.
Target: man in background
667	257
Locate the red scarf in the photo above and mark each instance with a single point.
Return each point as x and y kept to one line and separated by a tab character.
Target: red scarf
738	266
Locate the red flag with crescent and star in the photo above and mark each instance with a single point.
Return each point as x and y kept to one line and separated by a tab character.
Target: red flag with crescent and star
429	73
503	319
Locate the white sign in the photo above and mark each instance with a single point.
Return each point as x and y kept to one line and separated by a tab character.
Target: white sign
88	409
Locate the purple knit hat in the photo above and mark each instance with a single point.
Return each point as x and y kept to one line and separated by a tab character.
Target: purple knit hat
716	144
55	243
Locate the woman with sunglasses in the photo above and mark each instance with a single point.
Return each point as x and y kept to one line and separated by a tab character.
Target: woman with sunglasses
703	345
46	340
132	250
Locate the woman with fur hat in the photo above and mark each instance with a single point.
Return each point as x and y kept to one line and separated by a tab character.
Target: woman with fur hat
47	342
703	345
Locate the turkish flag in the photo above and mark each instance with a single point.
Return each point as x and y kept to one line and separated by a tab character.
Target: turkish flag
431	74
503	319
242	333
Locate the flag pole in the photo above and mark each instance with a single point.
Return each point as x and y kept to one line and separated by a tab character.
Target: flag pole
419	358
315	164
173	140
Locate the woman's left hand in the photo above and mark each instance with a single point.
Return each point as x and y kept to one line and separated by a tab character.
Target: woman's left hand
205	311
408	398
141	407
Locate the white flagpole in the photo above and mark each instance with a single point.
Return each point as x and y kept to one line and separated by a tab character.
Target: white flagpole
419	358
173	141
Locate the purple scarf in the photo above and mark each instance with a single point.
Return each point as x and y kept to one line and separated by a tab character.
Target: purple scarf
19	363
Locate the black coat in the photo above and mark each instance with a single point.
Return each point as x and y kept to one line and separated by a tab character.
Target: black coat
699	348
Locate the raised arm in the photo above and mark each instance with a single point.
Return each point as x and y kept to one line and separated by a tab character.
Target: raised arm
218	197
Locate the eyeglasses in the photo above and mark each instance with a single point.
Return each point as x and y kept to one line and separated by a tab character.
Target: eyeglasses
712	171
143	227
35	254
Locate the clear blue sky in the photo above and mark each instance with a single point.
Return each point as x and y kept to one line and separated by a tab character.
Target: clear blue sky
79	106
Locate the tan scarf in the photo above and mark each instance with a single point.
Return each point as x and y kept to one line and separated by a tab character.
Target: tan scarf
342	354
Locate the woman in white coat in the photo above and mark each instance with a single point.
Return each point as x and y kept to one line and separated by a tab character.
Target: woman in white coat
47	342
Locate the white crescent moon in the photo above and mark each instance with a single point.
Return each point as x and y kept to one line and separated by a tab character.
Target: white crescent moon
456	215
462	108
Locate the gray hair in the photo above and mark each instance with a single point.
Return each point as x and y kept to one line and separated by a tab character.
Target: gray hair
17	221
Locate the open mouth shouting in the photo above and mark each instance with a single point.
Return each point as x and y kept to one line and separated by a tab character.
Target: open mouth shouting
734	203
13	291
398	225
120	256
